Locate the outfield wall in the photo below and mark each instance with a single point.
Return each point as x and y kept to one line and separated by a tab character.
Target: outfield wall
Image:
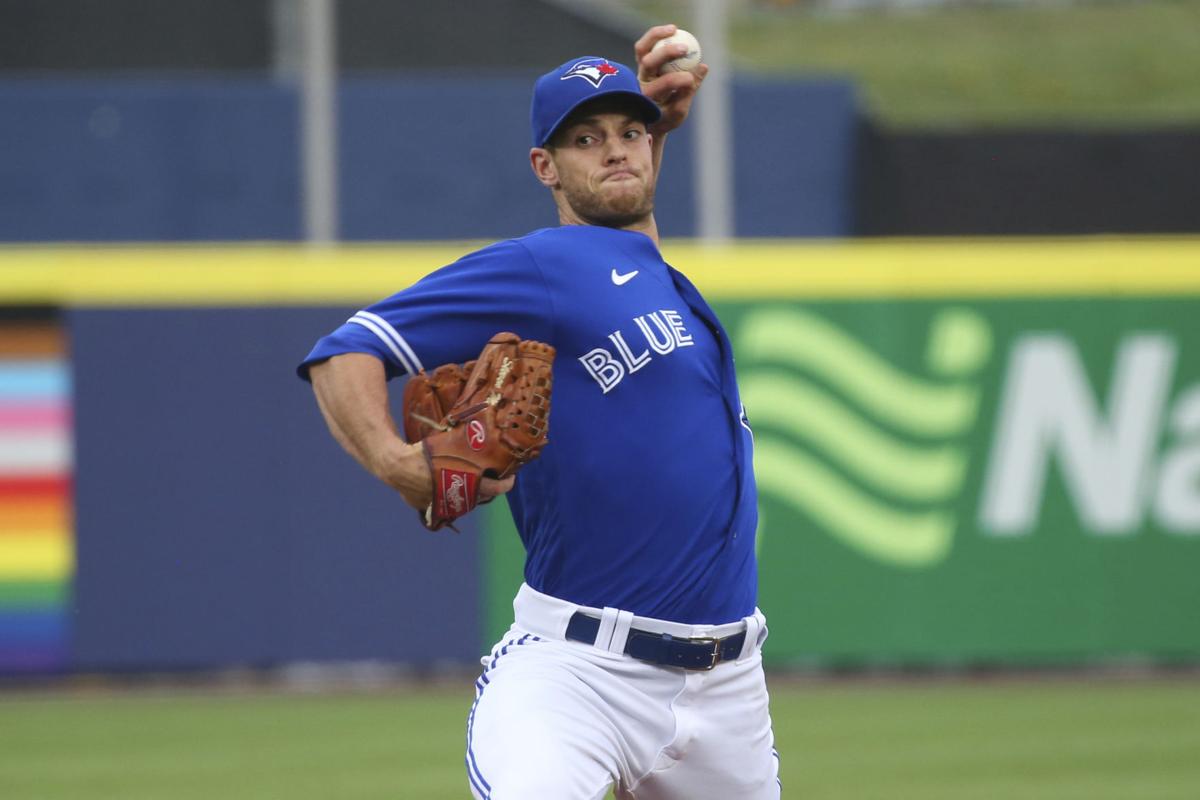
420	156
967	452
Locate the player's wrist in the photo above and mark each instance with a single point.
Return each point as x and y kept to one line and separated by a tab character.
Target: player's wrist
405	468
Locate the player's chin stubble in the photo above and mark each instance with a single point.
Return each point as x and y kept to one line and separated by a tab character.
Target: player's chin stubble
612	209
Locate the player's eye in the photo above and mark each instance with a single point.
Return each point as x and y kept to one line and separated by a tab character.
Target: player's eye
585	140
632	134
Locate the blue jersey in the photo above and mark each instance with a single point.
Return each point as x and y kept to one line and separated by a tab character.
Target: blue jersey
644	498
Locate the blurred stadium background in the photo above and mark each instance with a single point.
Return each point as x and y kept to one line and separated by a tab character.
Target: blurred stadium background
957	246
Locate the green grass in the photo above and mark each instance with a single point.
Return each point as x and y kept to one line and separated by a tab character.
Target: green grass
1120	63
1015	740
1011	739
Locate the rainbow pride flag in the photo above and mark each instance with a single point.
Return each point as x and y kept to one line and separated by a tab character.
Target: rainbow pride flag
37	544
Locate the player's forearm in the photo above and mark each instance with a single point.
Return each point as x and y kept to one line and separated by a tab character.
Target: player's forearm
657	148
351	391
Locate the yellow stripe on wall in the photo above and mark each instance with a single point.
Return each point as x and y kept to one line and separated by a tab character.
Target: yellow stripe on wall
216	275
36	556
355	274
946	268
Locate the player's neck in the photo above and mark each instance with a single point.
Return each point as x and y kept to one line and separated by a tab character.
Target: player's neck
646	225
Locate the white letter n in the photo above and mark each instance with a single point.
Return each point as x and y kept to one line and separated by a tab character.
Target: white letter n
1048	409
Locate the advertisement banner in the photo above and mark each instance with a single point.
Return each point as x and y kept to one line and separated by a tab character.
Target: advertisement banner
37	537
976	480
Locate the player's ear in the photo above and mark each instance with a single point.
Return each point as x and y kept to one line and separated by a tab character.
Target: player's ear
543	167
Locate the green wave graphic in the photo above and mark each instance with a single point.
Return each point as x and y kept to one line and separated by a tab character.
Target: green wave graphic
960	342
908	403
904	539
910	472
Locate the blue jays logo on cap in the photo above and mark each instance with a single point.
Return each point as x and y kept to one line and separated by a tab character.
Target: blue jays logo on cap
592	70
555	95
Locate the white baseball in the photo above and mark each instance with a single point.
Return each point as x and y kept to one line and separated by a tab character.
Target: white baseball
688	61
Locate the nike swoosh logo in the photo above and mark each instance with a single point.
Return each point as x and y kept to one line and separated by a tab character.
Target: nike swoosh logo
621	280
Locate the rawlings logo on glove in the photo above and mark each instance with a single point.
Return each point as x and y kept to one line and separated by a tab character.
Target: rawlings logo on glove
484	418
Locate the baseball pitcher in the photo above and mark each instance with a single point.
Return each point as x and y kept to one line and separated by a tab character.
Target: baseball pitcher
578	372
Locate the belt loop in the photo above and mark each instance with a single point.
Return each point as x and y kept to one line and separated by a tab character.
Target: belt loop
624	622
608	622
753	626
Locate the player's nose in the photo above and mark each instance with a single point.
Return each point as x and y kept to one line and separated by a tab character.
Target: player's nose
615	152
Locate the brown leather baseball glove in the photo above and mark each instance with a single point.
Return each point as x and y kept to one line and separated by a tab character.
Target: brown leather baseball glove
484	418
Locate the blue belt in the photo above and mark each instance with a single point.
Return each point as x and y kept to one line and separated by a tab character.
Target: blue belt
703	652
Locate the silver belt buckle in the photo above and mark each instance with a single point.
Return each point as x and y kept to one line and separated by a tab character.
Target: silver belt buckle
716	650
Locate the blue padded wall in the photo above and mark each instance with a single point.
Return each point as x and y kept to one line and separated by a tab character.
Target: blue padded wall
219	524
794	162
420	157
147	159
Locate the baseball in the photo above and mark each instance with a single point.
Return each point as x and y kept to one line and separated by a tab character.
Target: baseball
689	61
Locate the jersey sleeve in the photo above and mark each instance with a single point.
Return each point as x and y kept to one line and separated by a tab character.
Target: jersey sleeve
449	315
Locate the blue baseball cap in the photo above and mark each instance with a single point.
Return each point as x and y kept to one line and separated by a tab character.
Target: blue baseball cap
560	91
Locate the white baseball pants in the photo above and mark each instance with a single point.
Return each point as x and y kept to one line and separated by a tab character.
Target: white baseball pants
562	720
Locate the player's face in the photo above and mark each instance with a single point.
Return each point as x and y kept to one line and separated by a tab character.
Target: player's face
604	169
